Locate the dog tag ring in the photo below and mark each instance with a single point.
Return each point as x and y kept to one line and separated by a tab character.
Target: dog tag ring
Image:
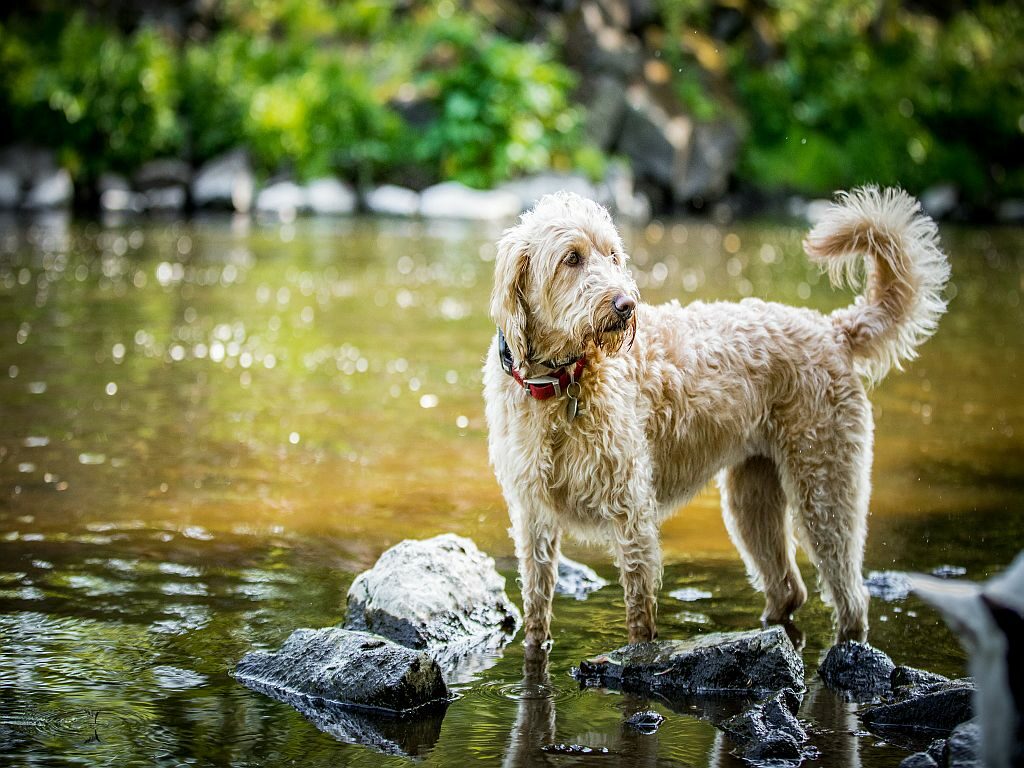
572	407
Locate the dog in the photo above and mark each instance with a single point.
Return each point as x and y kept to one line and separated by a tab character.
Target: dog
605	414
988	619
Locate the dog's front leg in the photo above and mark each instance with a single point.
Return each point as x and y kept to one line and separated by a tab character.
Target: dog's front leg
537	547
639	556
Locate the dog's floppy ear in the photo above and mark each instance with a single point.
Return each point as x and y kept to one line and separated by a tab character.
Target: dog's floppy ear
507	308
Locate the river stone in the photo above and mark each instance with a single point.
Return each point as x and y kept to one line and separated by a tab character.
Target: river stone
744	663
768	730
963	747
433	594
452	200
888	585
934	708
226	181
903	677
857	670
10	189
330	197
53	189
283	198
576	579
530	189
340	667
392	200
918	760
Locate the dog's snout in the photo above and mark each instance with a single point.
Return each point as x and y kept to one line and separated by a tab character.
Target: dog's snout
624	305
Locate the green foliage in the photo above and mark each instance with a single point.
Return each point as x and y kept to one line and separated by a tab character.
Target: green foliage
503	108
103	99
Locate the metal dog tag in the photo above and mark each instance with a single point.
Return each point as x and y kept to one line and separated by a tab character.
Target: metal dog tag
572	406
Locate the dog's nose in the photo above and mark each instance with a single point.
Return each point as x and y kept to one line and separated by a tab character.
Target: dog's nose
624	305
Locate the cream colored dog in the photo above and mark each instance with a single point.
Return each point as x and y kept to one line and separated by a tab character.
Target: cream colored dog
646	403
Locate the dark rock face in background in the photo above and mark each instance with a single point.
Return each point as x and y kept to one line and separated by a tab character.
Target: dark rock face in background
741	663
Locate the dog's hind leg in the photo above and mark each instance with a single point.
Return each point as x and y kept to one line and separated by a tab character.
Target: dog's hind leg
537	549
639	557
754	508
829	487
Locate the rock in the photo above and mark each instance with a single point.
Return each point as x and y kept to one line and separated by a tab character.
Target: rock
918	760
963	747
689	594
452	200
728	663
618	194
949	571
530	189
656	136
170	199
391	200
598	44
576	580
932	708
888	585
712	159
940	201
604	97
283	198
52	189
10	189
647	721
162	173
330	197
1011	211
575	750
768	730
121	201
226	181
442	595
341	667
902	677
857	670
354	686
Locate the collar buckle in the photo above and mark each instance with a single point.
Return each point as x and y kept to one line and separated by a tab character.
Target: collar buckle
543	381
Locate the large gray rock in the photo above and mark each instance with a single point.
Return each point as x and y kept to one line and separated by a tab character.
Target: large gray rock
728	663
656	135
711	161
356	686
576	579
330	197
857	671
441	594
342	667
52	189
768	730
597	42
604	97
936	708
226	181
392	200
452	200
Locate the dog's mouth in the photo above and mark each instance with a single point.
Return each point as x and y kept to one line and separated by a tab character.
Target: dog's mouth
615	333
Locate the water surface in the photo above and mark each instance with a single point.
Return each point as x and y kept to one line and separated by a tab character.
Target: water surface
207	429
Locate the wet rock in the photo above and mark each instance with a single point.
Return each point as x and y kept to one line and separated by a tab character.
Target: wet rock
167	199
743	663
940	201
931	708
330	197
576	579
357	687
10	189
452	200
162	173
341	667
949	571
530	189
711	161
226	181
857	670
283	198
963	747
768	730
647	721
573	749
918	760
888	585
391	200
50	189
902	677
689	594
441	594
1011	211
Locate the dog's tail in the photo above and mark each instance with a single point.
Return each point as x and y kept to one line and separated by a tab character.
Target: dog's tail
906	271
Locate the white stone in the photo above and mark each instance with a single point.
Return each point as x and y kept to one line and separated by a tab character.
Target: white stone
391	200
328	196
530	189
453	200
52	189
284	198
225	181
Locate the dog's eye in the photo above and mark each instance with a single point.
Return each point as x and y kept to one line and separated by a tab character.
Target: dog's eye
572	258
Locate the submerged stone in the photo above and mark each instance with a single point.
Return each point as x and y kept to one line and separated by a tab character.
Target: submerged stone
888	585
902	677
647	721
744	663
576	579
338	667
936	708
442	595
858	671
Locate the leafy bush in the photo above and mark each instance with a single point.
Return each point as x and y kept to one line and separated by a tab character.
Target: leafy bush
502	108
105	100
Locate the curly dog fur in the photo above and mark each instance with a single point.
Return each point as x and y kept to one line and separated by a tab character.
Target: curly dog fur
769	397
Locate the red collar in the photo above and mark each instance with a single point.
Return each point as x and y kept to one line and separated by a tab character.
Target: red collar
541	387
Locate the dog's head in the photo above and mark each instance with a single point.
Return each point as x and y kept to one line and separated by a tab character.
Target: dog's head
561	283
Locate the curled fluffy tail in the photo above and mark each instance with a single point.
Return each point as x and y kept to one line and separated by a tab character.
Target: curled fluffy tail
898	246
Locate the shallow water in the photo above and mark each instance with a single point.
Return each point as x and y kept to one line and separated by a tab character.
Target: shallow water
207	429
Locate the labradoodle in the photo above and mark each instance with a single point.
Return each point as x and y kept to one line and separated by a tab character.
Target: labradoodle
607	414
